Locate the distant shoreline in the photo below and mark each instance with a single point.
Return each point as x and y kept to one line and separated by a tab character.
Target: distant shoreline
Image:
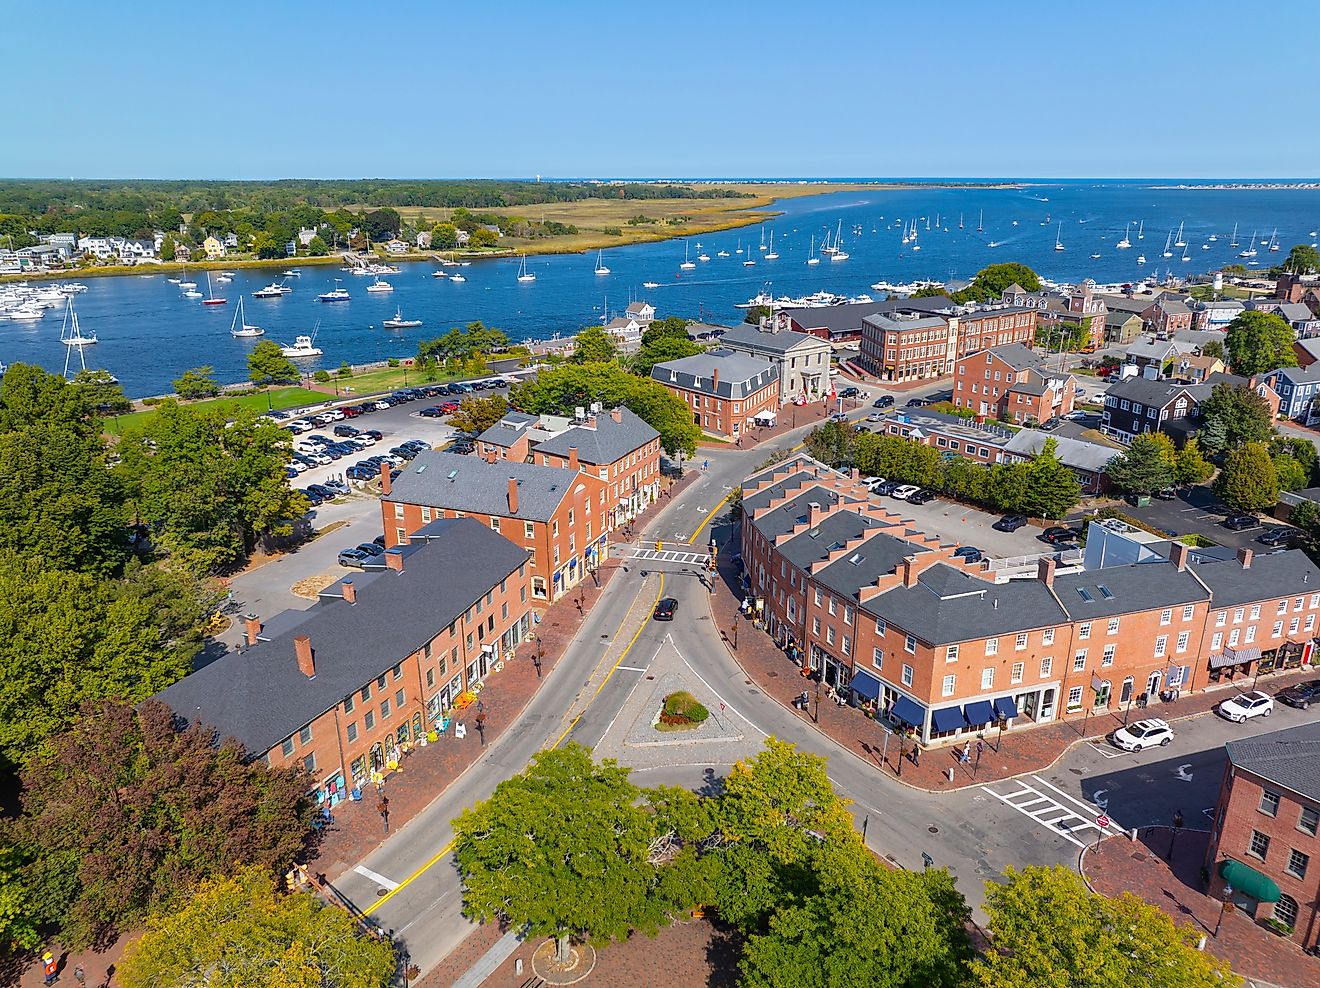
1241	187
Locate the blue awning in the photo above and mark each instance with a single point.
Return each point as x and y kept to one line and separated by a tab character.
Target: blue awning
865	685
947	719
979	713
908	711
1006	708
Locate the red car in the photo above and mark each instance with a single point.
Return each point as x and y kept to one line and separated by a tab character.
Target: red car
351	411
449	406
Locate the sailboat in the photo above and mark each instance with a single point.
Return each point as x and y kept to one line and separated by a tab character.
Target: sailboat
1250	250
1141	229
811	256
1058	238
1125	243
1233	241
600	263
304	346
980	223
184	283
1168	242
762	247
839	253
211	292
523	273
1185	256
750	259
239	326
739	250
1178	241
398	322
771	255
960	221
1274	240
687	264
71	336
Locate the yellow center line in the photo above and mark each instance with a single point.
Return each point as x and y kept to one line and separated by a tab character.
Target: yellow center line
710	516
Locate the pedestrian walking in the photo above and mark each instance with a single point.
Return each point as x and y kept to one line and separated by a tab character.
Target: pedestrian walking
966	755
383	808
916	755
705	465
49	968
326	816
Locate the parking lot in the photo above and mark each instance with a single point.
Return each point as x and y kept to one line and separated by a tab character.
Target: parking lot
964	525
1199	511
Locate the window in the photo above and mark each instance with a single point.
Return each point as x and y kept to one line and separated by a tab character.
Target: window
1166	616
352	731
1161	646
1310	622
1021	642
829	635
1046	664
385	709
878	658
1188	611
1309	821
529	530
1251	634
1217	641
1269	802
1278	629
907	675
309	763
286	746
1285	910
817	593
951	653
366	692
1221	618
1079	660
1255	612
1047	637
1259	845
430	678
831	606
397	671
1233	637
1239	612
494	524
1084	631
369	720
992	646
846	645
1016	676
1075	698
1292	626
400	699
815	626
910	645
380	682
398	511
1107	659
847	614
348	704
1282	608
305	734
1113	627
1297	862
1297	604
879	626
1183	638
987	679
947	688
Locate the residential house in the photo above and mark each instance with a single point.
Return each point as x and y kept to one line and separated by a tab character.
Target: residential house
1076	305
837	324
803	360
1300	317
1138	405
1150	351
1170	315
727	392
214	247
1295	287
1194	368
342	688
627	333
1307	351
231	241
1122	327
559	516
424	239
1215	313
1088	461
397	246
306	235
1011	383
642	312
1298	388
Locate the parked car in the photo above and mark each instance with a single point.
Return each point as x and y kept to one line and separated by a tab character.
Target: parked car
884	401
837	417
1237	523
434	412
1167	494
1279	536
361	471
969	553
665	608
345	430
323	492
922	496
850	392
885	488
904	492
380	405
1076	416
290	473
373	549
462	449
375	435
1052	424
1010	523
1300	695
313	498
449	407
1142	734
875	417
301	425
353	557
1059	534
917	402
352	411
419	443
1240	708
335	486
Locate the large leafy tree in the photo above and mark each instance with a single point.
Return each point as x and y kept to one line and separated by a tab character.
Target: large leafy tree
196	382
20	924
1302	259
268	365
831	443
1146	467
463	343
476	415
1049	930
1258	342
381	224
1053	490
661	349
1249	480
990	282
102	391
210	485
1233	416
59	502
562	849
559	391
594	346
236	932
125	813
1190	466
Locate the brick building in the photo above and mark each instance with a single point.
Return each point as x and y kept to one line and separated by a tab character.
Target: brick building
1077	305
725	391
920	338
803	360
885	615
1011	383
1263	838
339	689
560	516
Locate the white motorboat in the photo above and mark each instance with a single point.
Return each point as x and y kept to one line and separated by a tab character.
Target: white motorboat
303	346
379	287
650	284
27	313
687	264
722	253
398	322
704	257
601	269
1141	258
273	290
523	274
240	328
456	276
292	273
192	293
336	294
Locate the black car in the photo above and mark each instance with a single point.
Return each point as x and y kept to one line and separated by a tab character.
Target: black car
886	488
372	549
917	402
375	434
850	392
969	553
665	608
1167	494
1278	537
433	412
361	471
344	429
1059	534
884	401
321	491
312	497
1010	523
1052	424
922	496
1301	695
1237	523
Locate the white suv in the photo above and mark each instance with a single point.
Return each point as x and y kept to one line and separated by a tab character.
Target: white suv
1142	734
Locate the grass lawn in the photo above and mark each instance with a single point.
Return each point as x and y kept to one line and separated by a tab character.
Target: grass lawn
279	398
391	379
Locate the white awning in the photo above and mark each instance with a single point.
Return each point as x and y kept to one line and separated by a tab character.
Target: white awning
768	417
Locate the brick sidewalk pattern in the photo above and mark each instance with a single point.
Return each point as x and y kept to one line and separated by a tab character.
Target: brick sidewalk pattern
1119	865
788	418
1020	750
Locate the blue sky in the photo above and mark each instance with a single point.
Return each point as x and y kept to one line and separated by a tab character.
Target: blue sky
329	89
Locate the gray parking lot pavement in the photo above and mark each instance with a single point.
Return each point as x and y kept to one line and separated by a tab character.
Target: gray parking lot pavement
1199	511
965	525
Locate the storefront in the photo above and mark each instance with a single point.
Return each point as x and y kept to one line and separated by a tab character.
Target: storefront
834	672
332	790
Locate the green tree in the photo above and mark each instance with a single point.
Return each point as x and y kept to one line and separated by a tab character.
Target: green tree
1258	342
382	224
562	849
196	382
210	480
594	346
1048	929
322	376
444	236
1010	486
831	443
238	933
267	247
1292	476
1306	516
1299	449
1145	468
1189	466
1214	348
126	812
659	349
1248	481
168	247
481	237
1052	489
990	282
19	920
476	415
268	365
1233	416
1302	259
317	247
104	395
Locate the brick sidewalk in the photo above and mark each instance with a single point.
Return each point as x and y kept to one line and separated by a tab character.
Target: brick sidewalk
1118	865
788	418
1021	750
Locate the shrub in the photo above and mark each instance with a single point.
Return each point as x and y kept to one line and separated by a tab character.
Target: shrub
322	377
151	401
683	708
393	361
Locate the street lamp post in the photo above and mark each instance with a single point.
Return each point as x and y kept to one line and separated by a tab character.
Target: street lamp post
734	629
1228	904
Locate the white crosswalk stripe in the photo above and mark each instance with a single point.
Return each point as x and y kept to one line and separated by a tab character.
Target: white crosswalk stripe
1049	806
672	556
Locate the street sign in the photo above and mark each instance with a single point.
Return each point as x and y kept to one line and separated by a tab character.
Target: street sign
1102	821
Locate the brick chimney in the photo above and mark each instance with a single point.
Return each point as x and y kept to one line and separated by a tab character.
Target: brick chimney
1045	571
302	648
385	482
350	591
715	379
909	571
1244	556
616	414
490	455
572	459
251	628
1179	555
394	559
814	513
513	495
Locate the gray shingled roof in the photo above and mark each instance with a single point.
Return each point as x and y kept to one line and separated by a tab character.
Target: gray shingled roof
876	557
741	375
507	430
780	341
1289	758
1076	453
1278	574
904	325
1299	375
1147	392
607	442
1131	588
260	696
469	483
948	606
1017	356
792	513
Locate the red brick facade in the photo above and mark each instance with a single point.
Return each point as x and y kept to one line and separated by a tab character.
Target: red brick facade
995	388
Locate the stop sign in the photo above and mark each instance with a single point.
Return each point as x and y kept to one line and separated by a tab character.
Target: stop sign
1102	821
